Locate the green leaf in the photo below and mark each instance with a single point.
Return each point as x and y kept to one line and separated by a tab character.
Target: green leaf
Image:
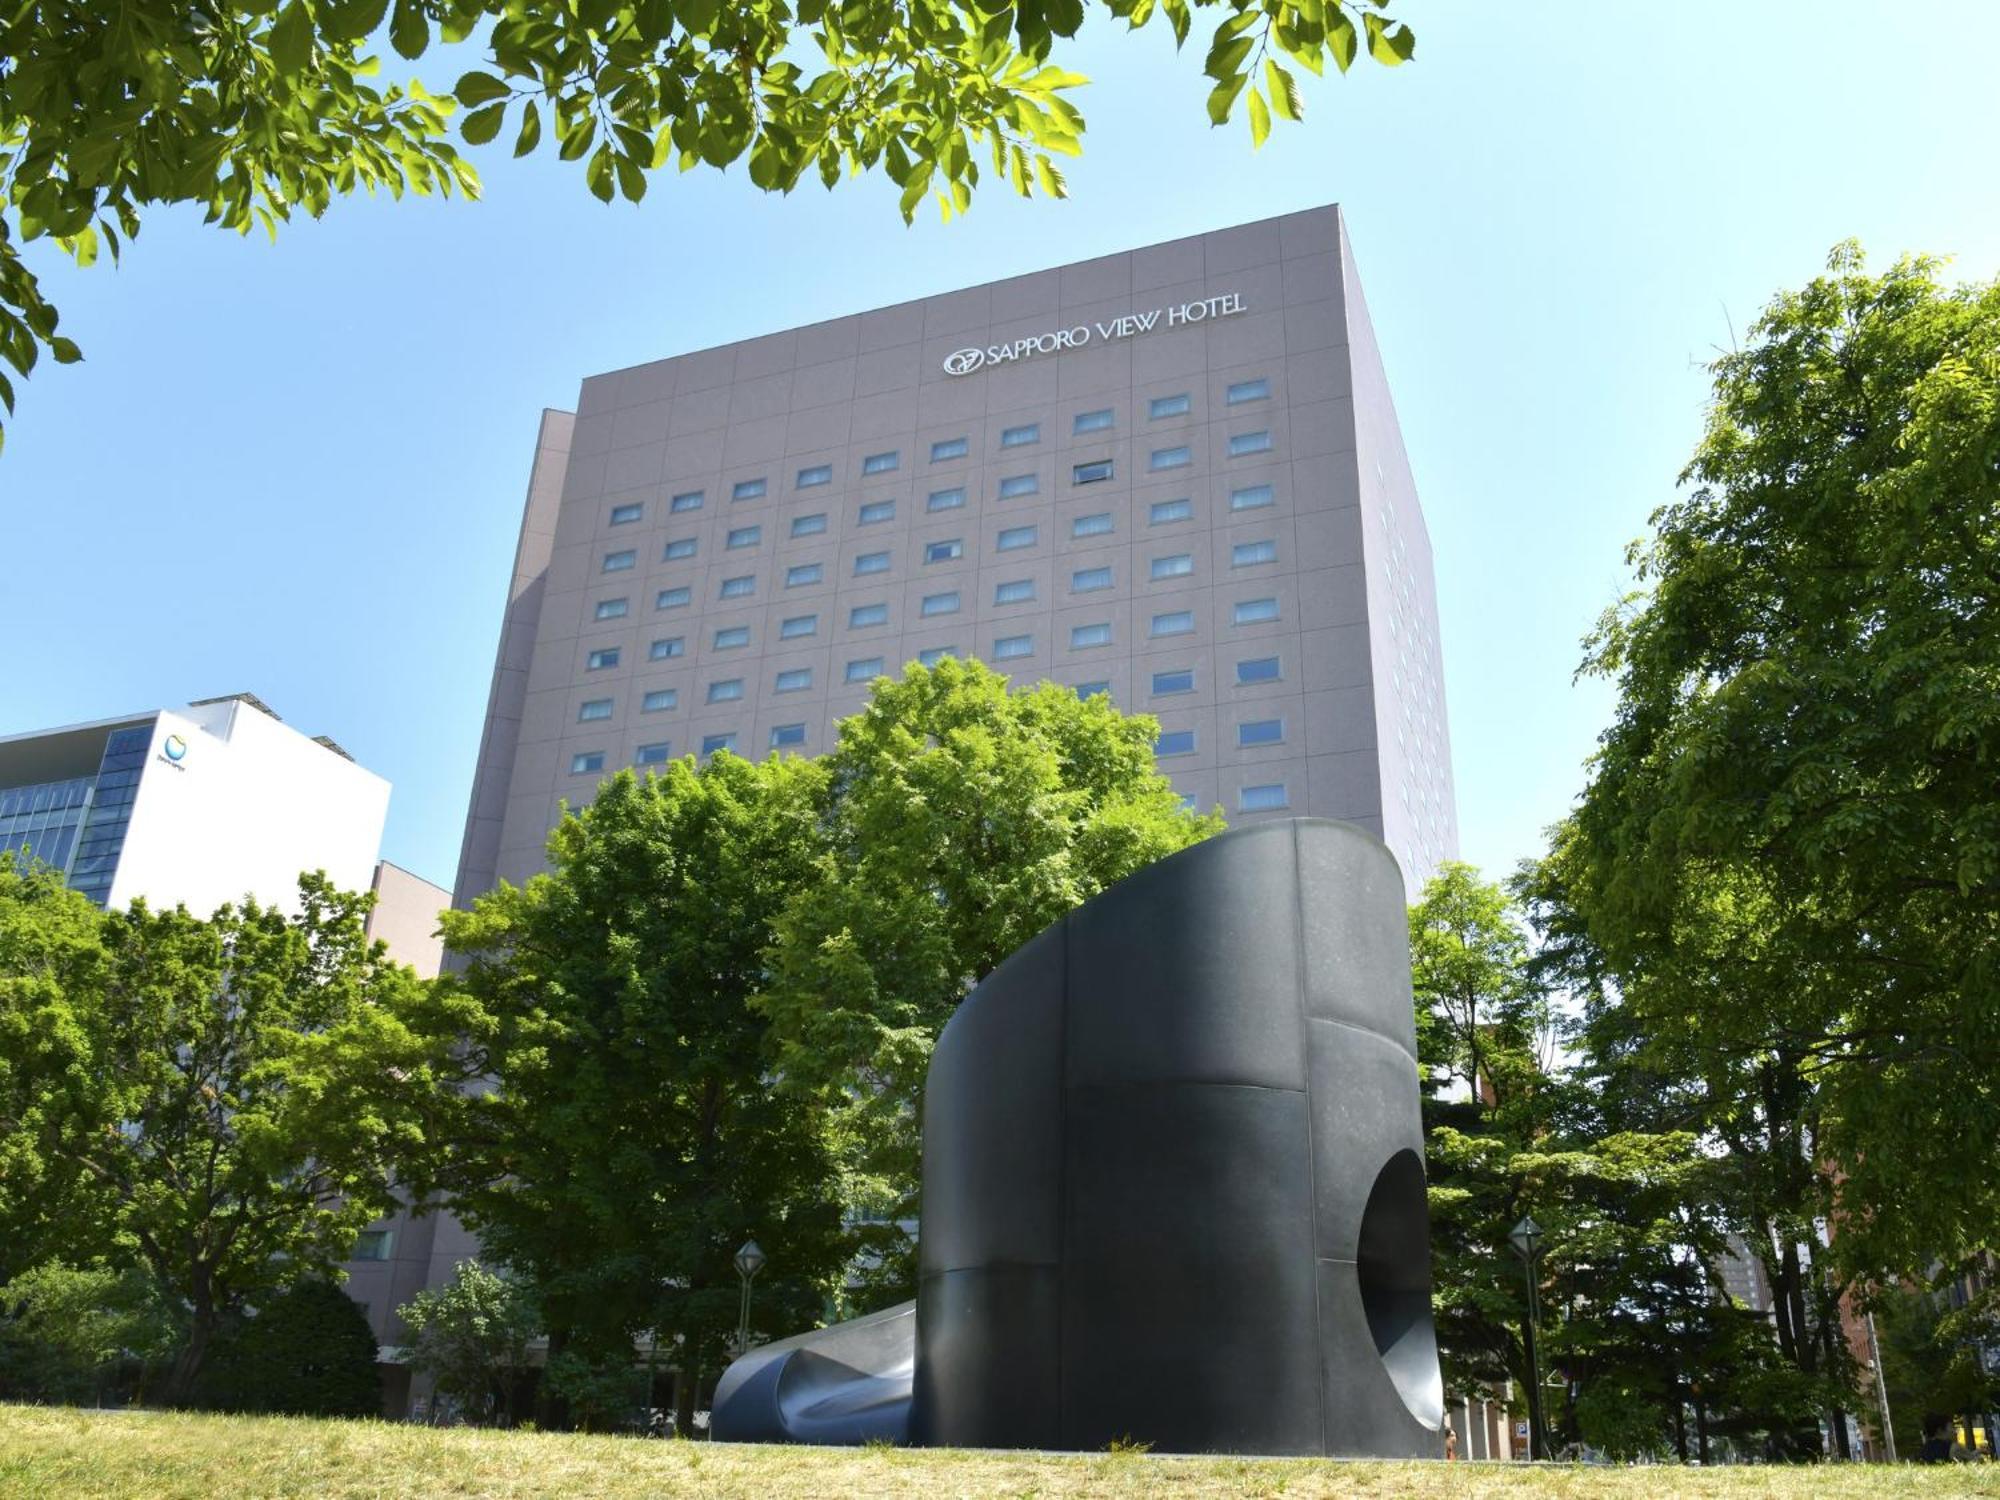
1284	91
1389	42
1225	57
599	175
1260	120
1341	41
66	353
531	130
1222	98
482	125
292	39
410	29
631	179
475	89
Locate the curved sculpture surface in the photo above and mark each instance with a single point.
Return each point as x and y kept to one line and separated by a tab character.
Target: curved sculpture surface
1173	1184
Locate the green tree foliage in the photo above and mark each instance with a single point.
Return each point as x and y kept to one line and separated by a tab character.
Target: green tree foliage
470	1337
252	109
962	818
625	1137
214	1101
76	1333
308	1352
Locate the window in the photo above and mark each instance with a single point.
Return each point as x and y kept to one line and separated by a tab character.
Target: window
1251	497
1247	554
881	463
1099	524
656	754
1011	646
744	536
747	489
1267	798
739	588
798	627
1093	689
787	734
863	615
660	700
1174	742
801	574
593	709
613	609
680	547
812	525
1178	566
618	562
1181	681
1014	591
1083	580
690	500
371	1244
1166	512
794	680
732	636
1093	421
946	448
1249	390
727	690
1081	636
710	743
935	655
1256	611
1016	485
945	500
1171	458
940	604
585	761
947	551
812	478
1249	442
1176	622
1257	669
1092	472
673	598
1260	732
1020	437
1016	537
863	669
666	646
622	514
1169	406
871	562
599	660
876	511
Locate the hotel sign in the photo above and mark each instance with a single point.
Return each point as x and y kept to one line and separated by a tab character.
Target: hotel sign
965	361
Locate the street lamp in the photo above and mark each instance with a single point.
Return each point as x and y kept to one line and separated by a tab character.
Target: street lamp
749	1261
1527	1242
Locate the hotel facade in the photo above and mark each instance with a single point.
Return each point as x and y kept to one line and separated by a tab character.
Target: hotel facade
1173	475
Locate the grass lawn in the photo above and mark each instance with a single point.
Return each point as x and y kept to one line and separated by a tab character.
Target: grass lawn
58	1452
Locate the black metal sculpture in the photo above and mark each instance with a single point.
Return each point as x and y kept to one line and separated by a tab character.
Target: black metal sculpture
1173	1184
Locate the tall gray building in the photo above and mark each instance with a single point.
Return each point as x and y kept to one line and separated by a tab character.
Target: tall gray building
1173	475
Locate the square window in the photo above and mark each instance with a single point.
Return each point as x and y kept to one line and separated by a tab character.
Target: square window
1260	732
863	615
871	562
1093	472
783	735
688	500
732	636
1256	611
618	562
656	754
1175	622
1010	646
1181	681
1252	497
727	690
739	588
864	669
940	604
1249	442
593	709
660	700
613	609
1249	390
799	575
599	660
1016	485
945	499
1016	537
798	626
372	1244
1257	669
946	448
673	598
1166	512
744	536
881	463
935	655
1014	591
624	514
710	743
1171	458
1099	524
1093	689
877	511
747	489
946	551
1169	406
812	478
1180	565
585	761
794	680
1084	580
1020	437
812	525
1081	636
1267	798
680	547
666	646
1093	421
1174	742
1248	554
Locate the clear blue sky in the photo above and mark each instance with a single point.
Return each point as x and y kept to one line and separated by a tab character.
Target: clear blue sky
298	469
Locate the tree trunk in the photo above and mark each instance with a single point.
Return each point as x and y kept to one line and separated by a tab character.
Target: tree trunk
178	1388
551	1411
686	1380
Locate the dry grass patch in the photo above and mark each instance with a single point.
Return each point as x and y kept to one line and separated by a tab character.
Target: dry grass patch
170	1456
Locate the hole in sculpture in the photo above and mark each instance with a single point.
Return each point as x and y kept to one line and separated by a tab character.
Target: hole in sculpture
1393	1264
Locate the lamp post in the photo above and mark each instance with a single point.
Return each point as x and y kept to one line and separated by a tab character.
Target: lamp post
749	1261
1526	1239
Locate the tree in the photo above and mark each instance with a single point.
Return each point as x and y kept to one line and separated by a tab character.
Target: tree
308	1352
69	1333
216	1099
252	109
963	817
470	1337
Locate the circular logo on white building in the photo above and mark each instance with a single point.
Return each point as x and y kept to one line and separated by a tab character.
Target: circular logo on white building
964	361
175	747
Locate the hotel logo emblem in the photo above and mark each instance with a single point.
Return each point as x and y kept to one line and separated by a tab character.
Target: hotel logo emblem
964	361
175	746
